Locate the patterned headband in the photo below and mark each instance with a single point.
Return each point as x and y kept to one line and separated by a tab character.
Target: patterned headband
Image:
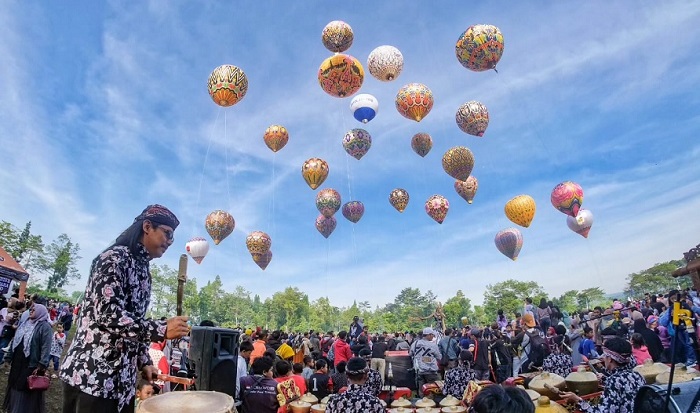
356	372
619	358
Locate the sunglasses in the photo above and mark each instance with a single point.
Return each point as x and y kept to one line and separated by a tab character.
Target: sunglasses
169	234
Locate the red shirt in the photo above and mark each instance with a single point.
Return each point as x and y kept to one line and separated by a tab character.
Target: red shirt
299	381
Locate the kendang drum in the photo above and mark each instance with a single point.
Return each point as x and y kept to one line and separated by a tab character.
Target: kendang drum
188	402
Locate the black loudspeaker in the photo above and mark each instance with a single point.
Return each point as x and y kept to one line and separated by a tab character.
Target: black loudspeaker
402	367
214	357
685	398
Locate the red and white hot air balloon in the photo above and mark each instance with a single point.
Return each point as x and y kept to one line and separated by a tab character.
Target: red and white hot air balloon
198	248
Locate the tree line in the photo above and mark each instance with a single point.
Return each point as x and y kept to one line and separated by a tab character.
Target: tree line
53	267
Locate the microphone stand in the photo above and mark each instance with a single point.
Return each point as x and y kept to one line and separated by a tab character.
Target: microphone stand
390	379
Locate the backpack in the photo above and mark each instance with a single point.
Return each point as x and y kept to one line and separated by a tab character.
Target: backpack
539	349
331	353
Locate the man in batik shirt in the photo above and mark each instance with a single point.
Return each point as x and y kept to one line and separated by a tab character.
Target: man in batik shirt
357	398
457	379
374	381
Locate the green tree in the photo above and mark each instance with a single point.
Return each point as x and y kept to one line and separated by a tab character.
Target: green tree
509	296
59	262
324	316
457	307
568	301
292	308
212	302
24	247
656	279
164	294
590	297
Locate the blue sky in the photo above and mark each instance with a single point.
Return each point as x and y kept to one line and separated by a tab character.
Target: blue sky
104	109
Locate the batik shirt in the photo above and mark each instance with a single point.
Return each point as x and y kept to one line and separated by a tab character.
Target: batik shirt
110	345
374	382
620	389
357	399
559	364
456	381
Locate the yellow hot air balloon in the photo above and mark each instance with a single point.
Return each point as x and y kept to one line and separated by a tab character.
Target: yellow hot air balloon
521	210
227	85
219	225
341	75
315	171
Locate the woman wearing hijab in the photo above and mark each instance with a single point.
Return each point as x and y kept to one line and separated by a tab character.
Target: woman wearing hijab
651	339
30	352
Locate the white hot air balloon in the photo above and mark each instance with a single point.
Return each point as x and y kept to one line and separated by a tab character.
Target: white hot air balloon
582	223
364	107
385	63
198	248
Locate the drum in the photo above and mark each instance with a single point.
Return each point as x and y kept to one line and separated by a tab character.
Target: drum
188	402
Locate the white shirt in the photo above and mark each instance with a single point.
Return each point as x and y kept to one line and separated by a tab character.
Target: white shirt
241	371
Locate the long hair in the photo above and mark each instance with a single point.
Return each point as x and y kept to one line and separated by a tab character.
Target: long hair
131	237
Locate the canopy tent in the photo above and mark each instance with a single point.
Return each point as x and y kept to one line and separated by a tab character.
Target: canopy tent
10	269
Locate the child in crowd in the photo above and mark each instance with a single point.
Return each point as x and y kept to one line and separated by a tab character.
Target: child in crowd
59	341
144	390
639	350
587	346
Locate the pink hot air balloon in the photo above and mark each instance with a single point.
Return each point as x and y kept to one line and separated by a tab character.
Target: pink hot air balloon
326	225
353	210
198	248
567	197
467	189
582	223
328	202
509	242
437	206
262	259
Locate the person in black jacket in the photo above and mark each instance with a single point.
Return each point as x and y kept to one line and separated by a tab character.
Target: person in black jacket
651	339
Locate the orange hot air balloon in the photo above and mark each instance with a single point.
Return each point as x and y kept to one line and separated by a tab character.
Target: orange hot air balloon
276	137
467	189
219	224
258	242
521	210
227	85
314	171
414	101
399	199
263	260
458	162
341	75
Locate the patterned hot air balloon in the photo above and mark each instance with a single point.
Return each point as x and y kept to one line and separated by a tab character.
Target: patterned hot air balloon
357	142
473	118
263	260
219	225
467	189
521	210
353	210
364	107
198	248
509	242
227	84
341	75
480	47
567	197
414	101
276	137
582	223
421	143
326	225
398	198
437	206
314	171
328	202
458	162
385	63
258	242
337	36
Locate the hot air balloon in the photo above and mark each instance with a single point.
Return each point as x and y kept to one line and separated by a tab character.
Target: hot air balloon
364	107
458	162
341	75
276	137
465	321
328	202
263	260
385	63
480	47
421	143
473	118
353	210
219	225
337	36
227	84
414	101
467	189
582	223
399	199
437	206
258	242
357	142
521	210
567	197
509	242
314	171
326	225
198	248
